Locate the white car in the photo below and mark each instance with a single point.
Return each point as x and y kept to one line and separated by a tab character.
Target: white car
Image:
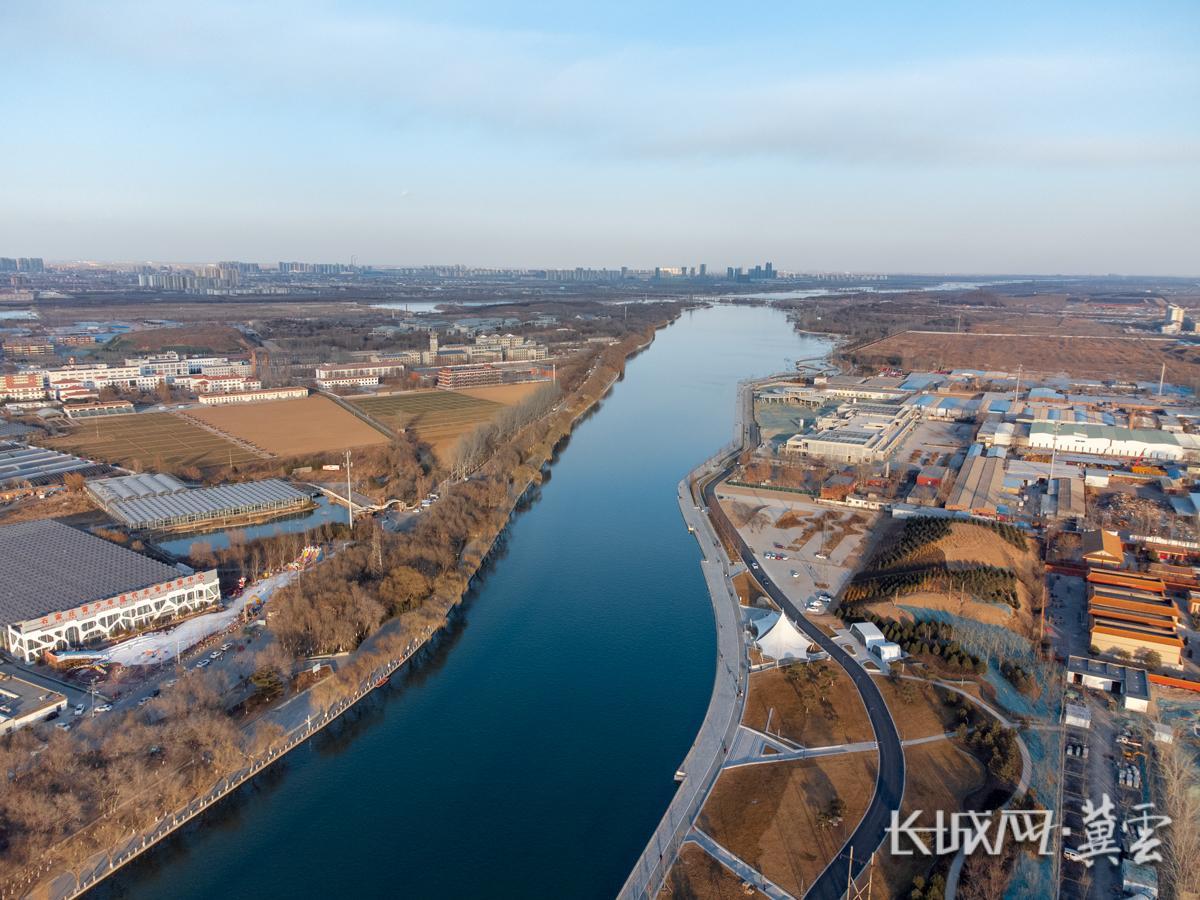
202	664
755	565
78	710
104	707
225	647
216	654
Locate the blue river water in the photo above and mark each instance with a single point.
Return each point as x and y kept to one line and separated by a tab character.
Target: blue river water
530	753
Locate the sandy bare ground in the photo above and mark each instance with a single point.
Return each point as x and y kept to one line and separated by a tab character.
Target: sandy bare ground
292	427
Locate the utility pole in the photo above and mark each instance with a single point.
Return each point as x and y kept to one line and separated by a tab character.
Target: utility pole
1161	378
1017	391
349	495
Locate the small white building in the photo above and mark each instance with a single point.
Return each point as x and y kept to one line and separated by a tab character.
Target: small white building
868	634
888	651
1077	716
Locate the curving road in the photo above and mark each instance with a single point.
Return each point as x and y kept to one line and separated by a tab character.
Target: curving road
831	884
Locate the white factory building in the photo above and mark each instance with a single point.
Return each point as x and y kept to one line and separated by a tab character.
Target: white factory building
64	588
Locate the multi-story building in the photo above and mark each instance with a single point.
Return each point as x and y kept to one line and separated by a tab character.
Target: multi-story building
22	386
218	384
468	376
28	347
254	396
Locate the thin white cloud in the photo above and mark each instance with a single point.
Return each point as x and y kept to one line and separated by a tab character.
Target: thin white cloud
641	101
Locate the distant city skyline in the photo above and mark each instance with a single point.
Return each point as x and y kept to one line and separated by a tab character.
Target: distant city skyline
874	138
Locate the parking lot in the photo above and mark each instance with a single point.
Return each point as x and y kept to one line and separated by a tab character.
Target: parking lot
1108	758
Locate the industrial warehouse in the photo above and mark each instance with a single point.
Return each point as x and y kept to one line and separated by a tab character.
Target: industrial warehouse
164	503
61	588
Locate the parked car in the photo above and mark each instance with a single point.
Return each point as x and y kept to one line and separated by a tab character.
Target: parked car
78	710
202	664
104	707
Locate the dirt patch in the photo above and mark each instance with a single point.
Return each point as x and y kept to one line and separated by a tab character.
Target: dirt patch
292	427
697	876
70	503
1087	356
746	515
773	815
814	704
988	613
185	339
916	708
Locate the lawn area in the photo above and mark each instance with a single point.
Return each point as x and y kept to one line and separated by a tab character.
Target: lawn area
439	418
697	876
771	814
814	704
938	775
158	441
916	708
314	424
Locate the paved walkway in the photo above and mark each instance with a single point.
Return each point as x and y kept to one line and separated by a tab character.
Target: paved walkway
738	866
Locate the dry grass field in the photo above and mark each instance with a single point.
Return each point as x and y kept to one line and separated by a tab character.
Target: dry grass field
292	427
771	814
817	712
697	876
158	441
439	418
916	708
1085	357
939	775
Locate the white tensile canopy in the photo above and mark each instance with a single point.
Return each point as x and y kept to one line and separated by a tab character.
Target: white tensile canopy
784	641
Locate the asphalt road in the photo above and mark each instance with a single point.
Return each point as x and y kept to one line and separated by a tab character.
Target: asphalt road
831	884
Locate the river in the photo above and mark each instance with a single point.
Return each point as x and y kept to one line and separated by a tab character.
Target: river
531	752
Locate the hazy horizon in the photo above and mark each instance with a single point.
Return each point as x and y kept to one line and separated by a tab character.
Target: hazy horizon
939	140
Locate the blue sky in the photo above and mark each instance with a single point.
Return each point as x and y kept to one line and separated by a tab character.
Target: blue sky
855	136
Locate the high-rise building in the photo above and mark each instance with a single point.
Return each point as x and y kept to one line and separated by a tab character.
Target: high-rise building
30	264
703	270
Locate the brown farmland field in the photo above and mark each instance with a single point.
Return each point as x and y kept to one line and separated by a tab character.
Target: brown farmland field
292	427
1085	357
439	418
159	441
506	394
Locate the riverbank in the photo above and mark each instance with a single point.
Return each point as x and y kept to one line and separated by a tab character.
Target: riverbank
589	634
379	656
